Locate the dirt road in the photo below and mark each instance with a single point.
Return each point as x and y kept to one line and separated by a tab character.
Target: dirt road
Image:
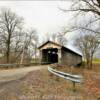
12	82
14	74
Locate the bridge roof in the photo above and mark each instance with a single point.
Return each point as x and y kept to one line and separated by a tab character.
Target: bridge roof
58	46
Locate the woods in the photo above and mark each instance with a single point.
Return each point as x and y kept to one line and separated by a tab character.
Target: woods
15	41
18	43
88	45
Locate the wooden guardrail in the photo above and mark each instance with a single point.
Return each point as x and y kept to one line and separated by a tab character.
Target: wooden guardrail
67	76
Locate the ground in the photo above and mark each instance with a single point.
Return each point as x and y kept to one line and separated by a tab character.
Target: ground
36	83
13	74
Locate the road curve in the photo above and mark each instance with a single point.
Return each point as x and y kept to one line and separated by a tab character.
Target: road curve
14	74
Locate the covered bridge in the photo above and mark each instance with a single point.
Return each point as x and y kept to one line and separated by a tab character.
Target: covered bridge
51	52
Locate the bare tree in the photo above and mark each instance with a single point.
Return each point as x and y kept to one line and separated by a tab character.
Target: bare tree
61	36
16	47
10	24
86	8
35	45
54	37
30	44
88	45
61	39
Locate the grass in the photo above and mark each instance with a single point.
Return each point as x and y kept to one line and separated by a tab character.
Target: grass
45	86
42	85
96	60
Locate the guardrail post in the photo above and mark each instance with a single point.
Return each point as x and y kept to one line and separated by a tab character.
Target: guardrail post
74	89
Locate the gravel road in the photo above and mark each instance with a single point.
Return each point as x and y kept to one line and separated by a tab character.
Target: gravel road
12	82
14	74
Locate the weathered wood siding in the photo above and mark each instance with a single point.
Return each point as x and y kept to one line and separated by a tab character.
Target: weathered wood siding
70	58
50	45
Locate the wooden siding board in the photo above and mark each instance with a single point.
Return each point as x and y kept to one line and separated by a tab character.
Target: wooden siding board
50	44
70	58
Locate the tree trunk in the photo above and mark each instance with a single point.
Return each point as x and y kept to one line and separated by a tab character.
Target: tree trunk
8	54
35	52
22	57
87	62
91	58
8	49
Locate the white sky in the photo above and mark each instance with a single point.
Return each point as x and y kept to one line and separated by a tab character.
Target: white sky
42	15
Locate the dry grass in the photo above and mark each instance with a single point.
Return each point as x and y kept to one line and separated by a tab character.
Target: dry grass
42	85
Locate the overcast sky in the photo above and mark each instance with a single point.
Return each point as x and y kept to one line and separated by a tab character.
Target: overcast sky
42	15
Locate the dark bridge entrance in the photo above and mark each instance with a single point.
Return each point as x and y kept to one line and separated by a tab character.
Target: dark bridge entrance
50	55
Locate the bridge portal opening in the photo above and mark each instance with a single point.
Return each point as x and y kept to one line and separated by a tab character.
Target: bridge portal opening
50	55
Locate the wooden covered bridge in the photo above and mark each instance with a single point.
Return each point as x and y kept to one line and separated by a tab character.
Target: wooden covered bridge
51	52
